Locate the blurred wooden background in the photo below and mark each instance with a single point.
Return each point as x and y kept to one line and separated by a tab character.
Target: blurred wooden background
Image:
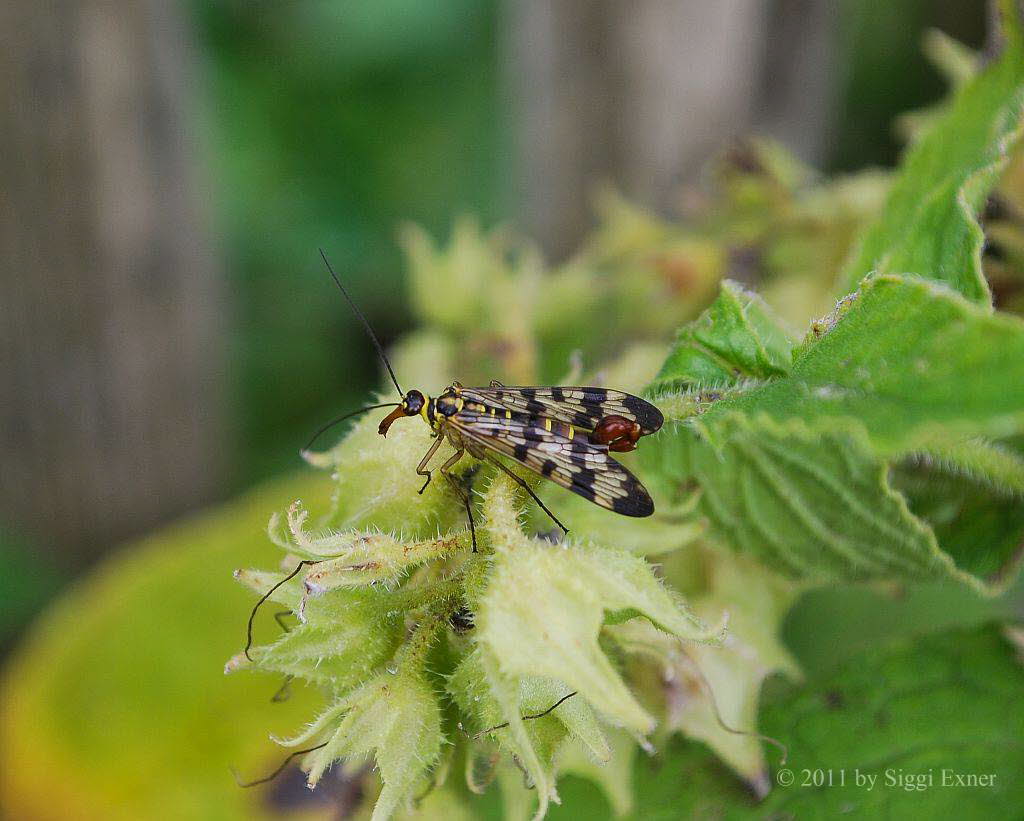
116	317
113	316
111	312
642	93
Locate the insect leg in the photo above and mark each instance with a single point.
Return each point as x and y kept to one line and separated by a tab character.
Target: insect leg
279	770
525	486
541	714
284	692
421	468
279	618
445	471
496	384
267	595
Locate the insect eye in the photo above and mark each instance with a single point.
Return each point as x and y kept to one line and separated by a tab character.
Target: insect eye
413	402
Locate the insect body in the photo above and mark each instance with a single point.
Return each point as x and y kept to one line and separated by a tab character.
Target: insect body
564	434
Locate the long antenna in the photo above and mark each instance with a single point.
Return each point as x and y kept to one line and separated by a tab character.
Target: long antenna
366	324
541	714
267	595
338	419
279	770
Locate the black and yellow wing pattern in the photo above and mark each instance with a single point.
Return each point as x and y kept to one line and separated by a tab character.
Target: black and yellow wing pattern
578	406
554	442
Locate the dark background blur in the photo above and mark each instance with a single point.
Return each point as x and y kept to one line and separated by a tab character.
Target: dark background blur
168	335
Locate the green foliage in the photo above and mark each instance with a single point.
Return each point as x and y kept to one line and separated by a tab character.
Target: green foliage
969	678
795	467
816	462
885	447
800	463
395	716
910	360
349	640
928	224
735	339
554	631
814	505
876	716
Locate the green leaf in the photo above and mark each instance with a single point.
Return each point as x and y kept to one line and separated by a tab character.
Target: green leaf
912	361
877	714
973	503
736	338
972	679
812	504
794	471
928	225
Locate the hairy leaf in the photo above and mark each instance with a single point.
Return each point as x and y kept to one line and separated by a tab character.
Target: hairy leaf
812	504
846	722
904	366
913	362
339	652
736	338
554	630
928	225
497	713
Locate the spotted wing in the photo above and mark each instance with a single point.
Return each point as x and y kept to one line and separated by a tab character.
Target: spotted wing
557	452
581	407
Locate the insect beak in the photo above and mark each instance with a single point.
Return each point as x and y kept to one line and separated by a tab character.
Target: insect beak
397	413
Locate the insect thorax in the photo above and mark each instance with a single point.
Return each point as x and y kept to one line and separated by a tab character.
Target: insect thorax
437	409
449	402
